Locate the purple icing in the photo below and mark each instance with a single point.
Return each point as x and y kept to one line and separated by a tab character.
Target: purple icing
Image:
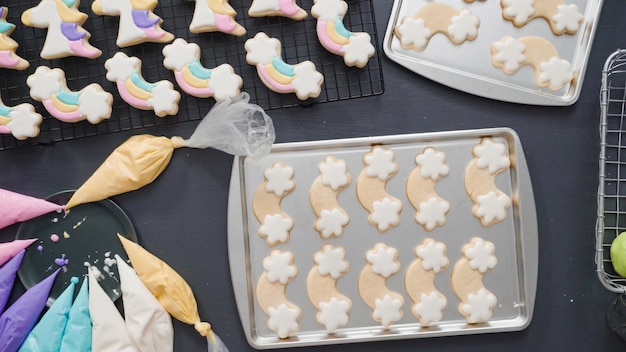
142	19
61	261
70	32
40	248
2	9
7	278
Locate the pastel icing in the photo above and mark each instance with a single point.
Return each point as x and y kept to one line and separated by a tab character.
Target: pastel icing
331	222
21	120
492	155
276	228
331	261
286	8
283	320
215	15
334	173
388	310
433	255
334	313
8	58
386	213
66	36
430	308
279	179
380	163
279	268
383	261
432	163
481	255
479	306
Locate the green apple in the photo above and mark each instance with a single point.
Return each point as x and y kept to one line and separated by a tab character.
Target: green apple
618	254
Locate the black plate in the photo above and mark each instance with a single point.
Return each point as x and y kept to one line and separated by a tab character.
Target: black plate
86	234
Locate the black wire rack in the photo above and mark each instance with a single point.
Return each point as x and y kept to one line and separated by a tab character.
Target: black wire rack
298	38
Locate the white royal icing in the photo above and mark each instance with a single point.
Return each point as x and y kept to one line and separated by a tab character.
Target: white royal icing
479	306
120	67
358	50
329	10
331	261
283	320
386	213
44	82
556	71
463	26
262	49
432	213
278	267
433	256
492	155
24	121
224	82
430	308
388	310
331	222
46	15
203	16
180	54
334	313
481	256
492	207
94	103
279	179
333	172
567	18
432	163
276	228
164	99
380	163
307	80
413	31
511	53
383	260
521	10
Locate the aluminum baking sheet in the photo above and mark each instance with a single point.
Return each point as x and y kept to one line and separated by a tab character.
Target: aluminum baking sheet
513	280
467	67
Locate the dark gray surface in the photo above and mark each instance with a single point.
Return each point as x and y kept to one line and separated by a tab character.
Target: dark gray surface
181	217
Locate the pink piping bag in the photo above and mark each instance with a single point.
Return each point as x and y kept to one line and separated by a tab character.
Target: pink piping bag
7	278
16	207
9	250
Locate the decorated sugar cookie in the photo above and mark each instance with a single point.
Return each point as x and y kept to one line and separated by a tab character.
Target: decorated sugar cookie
331	218
303	79
355	47
183	58
509	54
466	280
563	18
285	8
371	188
65	35
490	159
8	58
91	103
21	120
415	31
215	16
333	308
283	315
125	72
138	24
386	305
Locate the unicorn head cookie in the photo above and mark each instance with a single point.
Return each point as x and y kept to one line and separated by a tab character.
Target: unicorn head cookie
8	59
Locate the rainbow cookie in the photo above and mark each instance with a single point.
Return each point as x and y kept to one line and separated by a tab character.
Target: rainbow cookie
184	59
303	79
562	18
285	8
65	35
138	24
355	47
21	120
91	103
215	16
8	59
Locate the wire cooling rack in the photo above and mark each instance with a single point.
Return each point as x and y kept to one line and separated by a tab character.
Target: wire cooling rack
298	38
612	186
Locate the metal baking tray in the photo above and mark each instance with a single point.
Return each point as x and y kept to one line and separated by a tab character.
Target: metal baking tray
513	280
467	67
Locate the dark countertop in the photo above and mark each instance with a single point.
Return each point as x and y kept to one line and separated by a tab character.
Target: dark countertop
181	217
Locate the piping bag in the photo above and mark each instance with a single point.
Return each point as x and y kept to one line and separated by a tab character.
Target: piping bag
9	250
232	126
171	290
7	278
16	207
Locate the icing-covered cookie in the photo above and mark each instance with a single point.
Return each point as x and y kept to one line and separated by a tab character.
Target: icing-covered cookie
563	18
215	16
183	58
331	218
21	120
355	47
303	79
125	72
138	24
65	35
91	103
8	58
285	8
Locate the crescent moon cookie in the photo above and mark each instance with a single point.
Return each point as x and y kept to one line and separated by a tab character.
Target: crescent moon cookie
562	18
419	281
355	47
66	36
285	8
138	24
490	159
466	280
275	223
91	103
431	209
509	54
386	305
125	72
414	32
384	210
215	16
183	58
333	308
303	79
283	316
8	58
331	218
21	120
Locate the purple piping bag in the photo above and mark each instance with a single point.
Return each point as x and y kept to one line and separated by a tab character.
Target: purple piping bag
7	278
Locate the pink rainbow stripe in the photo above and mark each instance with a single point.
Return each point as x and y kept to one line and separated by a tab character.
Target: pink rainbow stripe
78	48
153	33
5	130
130	99
288	7
326	41
7	59
280	88
196	92
224	23
73	116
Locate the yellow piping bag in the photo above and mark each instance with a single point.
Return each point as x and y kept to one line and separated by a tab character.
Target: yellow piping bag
232	126
171	290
